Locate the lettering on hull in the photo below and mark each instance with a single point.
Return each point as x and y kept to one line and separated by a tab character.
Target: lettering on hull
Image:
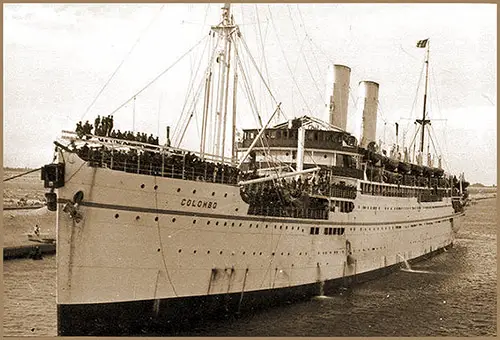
198	203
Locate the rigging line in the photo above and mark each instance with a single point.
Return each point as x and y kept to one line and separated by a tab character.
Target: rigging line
247	86
123	60
158	76
249	94
415	99
257	68
161	242
251	100
262	45
434	88
23	174
192	110
440	151
414	136
192	81
310	39
190	88
302	53
286	60
302	24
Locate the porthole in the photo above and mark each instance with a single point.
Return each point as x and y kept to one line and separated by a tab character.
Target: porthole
142	186
256	226
158	250
217	223
281	227
225	195
324	156
244	253
240	225
267	226
260	253
116	215
208	222
251	225
213	193
220	252
178	189
137	218
156	218
155	187
232	224
194	191
236	209
194	252
194	221
208	251
286	227
254	253
272	254
180	250
173	219
225	224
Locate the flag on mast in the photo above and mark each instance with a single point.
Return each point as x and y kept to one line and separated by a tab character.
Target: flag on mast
422	43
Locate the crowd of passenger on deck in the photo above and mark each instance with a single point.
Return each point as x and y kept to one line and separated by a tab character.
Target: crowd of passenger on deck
295	197
104	127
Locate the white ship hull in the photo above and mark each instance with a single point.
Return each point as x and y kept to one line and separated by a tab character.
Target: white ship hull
156	249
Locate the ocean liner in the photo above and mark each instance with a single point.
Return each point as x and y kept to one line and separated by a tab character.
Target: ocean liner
150	235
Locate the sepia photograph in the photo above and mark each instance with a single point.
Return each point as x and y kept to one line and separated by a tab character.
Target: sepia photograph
229	169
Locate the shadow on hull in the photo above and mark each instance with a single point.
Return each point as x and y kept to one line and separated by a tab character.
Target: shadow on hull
169	316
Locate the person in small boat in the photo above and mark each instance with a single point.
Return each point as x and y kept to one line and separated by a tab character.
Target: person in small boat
36	230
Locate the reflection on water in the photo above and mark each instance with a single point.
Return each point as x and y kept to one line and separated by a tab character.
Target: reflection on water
452	294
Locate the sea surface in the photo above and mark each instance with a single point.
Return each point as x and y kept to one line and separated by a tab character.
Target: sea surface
452	294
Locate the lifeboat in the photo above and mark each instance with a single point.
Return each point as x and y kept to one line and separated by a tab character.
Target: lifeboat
427	171
416	169
404	167
438	172
390	164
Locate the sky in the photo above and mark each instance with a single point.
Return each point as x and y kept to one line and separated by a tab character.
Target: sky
58	57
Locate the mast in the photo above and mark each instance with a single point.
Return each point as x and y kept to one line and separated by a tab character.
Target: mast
423	121
234	147
225	30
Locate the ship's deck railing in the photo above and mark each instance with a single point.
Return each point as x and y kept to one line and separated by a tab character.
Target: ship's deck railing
172	166
266	210
116	143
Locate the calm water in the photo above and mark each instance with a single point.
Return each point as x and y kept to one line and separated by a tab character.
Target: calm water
454	294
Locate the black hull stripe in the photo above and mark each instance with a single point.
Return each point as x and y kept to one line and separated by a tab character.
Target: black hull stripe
168	316
247	218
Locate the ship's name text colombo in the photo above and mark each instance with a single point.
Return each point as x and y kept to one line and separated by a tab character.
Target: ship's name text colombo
198	203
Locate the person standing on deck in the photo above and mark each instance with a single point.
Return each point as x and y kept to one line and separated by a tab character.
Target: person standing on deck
96	125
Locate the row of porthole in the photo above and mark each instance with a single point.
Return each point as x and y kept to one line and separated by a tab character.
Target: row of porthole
217	223
281	227
300	254
179	190
260	253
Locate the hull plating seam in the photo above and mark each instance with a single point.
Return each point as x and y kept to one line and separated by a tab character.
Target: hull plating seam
247	218
168	315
